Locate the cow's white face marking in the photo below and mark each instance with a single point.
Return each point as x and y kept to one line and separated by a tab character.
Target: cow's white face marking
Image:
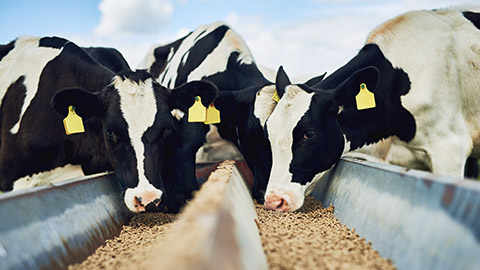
26	48
290	109
264	104
139	108
215	62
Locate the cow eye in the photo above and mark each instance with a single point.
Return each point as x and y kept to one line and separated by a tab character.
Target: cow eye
309	135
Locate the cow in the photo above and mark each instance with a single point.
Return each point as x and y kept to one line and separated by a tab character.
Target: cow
126	125
409	97
215	52
109	57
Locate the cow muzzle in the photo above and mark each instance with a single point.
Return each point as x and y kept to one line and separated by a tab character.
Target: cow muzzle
283	201
141	199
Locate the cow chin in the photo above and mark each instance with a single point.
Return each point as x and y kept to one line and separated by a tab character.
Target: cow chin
142	198
285	200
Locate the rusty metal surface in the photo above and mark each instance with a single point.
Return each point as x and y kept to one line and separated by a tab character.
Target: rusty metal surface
417	219
51	227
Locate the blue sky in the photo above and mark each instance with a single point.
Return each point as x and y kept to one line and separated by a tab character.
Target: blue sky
307	37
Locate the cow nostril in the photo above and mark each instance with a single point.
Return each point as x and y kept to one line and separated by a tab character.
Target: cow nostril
282	204
151	206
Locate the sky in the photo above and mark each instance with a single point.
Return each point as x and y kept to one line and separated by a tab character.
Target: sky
306	37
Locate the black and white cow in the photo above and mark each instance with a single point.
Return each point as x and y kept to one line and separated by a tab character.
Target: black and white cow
215	52
109	57
423	68
126	117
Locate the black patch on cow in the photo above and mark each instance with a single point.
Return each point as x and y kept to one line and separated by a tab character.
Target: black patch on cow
389	117
5	49
317	139
109	58
13	102
198	53
52	42
140	75
199	35
161	56
473	17
238	76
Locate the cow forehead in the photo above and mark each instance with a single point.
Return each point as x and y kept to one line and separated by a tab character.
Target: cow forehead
137	103
288	112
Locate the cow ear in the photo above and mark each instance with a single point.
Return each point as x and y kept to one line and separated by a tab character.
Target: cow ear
345	93
313	81
86	104
183	96
227	103
281	81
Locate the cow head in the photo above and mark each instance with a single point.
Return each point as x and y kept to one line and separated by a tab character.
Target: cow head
137	126
310	127
247	110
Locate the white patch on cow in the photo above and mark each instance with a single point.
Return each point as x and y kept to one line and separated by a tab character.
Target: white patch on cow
177	113
20	58
264	104
170	73
215	62
290	109
137	100
444	87
56	175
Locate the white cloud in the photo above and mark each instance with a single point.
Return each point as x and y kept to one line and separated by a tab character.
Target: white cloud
305	48
133	17
312	46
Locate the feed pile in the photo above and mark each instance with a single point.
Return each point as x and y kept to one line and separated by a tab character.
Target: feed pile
312	238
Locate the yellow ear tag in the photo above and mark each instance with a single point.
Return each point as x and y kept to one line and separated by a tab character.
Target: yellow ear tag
213	115
365	99
73	123
198	112
275	97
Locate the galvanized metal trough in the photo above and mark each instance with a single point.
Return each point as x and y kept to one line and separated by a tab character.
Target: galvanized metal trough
51	227
416	219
